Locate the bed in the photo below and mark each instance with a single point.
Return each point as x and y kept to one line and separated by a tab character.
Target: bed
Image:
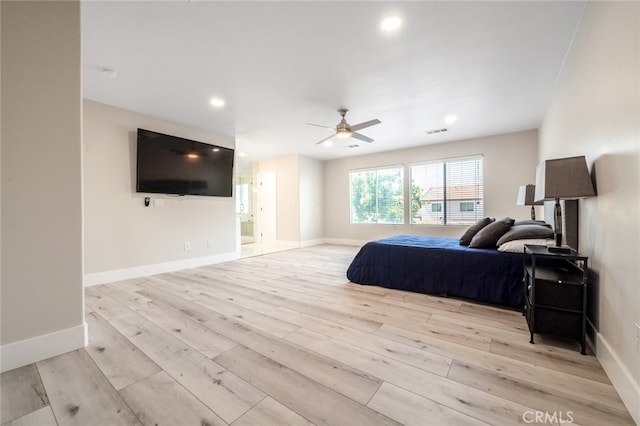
440	266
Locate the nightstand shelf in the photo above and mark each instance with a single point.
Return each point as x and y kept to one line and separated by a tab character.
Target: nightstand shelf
555	288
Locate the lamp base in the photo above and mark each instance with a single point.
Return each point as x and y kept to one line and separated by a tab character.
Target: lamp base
561	250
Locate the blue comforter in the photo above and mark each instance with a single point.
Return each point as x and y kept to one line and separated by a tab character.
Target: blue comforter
437	265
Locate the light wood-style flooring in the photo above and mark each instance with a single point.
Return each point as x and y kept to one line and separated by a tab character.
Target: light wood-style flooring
285	339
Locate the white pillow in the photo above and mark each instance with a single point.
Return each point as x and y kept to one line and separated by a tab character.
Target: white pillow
517	246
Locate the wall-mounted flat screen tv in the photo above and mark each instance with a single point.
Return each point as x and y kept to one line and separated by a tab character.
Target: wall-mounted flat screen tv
172	165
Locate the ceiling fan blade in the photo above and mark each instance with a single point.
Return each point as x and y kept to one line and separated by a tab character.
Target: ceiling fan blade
324	127
325	139
361	137
364	125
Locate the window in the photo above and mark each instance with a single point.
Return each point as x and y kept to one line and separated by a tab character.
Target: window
454	185
467	206
377	196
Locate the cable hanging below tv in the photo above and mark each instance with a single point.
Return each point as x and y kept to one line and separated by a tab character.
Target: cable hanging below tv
172	165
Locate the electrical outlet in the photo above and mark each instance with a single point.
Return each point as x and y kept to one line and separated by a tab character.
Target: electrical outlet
209	244
637	337
158	202
187	246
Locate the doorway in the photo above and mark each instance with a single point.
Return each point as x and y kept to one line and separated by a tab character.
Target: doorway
266	209
244	208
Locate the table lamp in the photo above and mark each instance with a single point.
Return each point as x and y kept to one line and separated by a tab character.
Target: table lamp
526	195
562	179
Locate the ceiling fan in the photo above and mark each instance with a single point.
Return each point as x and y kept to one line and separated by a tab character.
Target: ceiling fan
346	130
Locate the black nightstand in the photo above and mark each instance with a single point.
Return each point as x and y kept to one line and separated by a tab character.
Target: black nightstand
555	289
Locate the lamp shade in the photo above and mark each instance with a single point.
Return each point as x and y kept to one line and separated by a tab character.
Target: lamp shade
563	178
526	196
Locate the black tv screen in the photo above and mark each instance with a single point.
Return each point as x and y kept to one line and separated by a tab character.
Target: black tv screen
172	165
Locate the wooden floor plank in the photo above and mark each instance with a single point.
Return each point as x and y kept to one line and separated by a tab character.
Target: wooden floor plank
160	400
41	417
407	354
252	318
284	338
587	390
259	290
294	390
204	340
271	412
413	410
120	361
223	392
344	379
22	392
80	394
422	301
549	399
105	306
567	361
462	398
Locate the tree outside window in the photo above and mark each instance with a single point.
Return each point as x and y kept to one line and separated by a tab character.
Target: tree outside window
377	196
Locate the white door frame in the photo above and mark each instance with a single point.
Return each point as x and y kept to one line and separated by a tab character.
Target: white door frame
266	216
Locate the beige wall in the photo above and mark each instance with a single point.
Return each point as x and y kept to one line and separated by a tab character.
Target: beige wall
120	232
41	173
595	111
311	201
509	161
299	200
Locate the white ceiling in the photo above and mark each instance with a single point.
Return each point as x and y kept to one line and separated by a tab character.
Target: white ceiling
280	65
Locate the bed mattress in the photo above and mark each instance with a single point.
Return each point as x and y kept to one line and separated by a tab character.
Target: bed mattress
440	266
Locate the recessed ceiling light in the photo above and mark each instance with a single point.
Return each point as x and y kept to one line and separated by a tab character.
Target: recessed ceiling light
217	102
450	119
391	23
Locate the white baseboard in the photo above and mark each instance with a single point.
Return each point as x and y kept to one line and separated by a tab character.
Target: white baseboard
28	351
97	278
310	243
345	242
620	377
286	244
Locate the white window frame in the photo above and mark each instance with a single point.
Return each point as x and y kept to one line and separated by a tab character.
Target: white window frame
398	167
446	220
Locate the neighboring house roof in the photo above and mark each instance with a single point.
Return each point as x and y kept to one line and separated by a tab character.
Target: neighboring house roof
461	192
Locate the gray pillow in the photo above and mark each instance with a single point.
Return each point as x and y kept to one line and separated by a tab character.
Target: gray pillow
473	230
521	232
531	222
490	234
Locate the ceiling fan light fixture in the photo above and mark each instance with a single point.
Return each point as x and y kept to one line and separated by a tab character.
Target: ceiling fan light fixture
343	134
345	130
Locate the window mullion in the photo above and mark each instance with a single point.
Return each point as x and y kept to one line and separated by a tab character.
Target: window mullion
445	190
